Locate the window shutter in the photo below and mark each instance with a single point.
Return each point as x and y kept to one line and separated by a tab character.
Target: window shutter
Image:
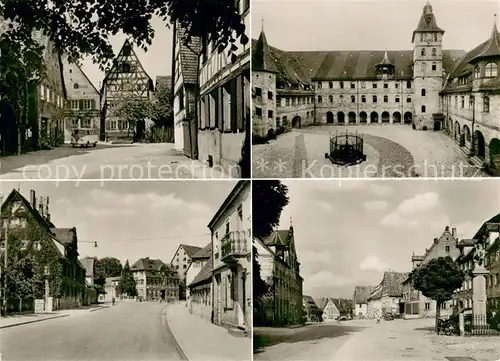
93	106
239	100
80	104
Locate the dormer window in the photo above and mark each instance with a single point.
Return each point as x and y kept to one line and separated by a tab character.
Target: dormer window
477	72
491	70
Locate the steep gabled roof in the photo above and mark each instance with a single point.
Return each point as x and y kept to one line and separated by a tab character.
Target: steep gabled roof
321	302
361	293
188	58
203	253
390	286
191	250
343	305
309	301
277	238
64	235
492	48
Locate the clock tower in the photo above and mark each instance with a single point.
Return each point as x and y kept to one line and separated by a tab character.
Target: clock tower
427	69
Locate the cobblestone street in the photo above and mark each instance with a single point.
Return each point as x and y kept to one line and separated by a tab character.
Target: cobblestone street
137	161
365	340
391	150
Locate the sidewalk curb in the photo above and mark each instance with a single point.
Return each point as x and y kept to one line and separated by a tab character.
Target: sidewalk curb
33	321
98	308
169	331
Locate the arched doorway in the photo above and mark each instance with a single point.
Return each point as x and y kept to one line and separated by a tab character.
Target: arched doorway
495	155
8	129
385	117
457	131
329	117
363	117
479	146
352	118
296	122
408	118
374	117
466	133
396	117
340	118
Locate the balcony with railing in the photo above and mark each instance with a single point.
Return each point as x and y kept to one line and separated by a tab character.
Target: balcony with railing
233	246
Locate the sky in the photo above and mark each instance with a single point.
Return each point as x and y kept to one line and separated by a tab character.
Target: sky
156	61
131	220
347	233
369	24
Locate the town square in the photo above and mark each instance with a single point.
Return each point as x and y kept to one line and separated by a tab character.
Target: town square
422	105
124	272
354	270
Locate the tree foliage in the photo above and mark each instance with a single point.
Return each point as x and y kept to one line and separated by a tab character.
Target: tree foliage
437	280
162	112
260	287
269	197
107	267
82	28
126	284
132	110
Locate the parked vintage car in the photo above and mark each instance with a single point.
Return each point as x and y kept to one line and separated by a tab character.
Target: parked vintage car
388	317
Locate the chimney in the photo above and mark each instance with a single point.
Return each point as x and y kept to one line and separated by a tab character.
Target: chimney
454	232
435	240
33	199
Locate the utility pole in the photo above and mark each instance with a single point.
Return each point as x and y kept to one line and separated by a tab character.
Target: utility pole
4	299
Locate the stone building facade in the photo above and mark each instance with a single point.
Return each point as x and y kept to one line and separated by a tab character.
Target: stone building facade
280	269
471	103
363	87
155	280
416	304
387	296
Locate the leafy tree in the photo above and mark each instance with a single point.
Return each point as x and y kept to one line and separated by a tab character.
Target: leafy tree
437	280
107	267
84	27
162	112
133	111
127	282
182	289
260	287
269	197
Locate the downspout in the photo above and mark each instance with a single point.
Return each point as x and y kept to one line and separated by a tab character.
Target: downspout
358	118
472	148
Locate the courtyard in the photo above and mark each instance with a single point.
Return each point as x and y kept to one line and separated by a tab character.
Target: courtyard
359	340
392	151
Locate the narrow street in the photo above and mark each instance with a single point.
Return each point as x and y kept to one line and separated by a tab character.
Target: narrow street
129	331
136	161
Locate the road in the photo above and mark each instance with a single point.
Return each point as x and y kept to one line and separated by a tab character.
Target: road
136	161
128	331
361	340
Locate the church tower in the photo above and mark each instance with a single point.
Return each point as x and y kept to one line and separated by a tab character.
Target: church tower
427	69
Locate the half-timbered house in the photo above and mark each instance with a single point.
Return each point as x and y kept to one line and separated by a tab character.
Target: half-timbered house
125	81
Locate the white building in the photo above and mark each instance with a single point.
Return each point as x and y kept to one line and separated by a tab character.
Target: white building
231	253
83	100
199	283
360	300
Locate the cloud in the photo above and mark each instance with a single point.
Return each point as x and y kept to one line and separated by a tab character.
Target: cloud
109	212
420	202
153	200
373	263
439	223
392	219
311	257
325	279
376	205
324	206
381	190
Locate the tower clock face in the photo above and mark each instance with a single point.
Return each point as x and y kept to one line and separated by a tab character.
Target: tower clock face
428	20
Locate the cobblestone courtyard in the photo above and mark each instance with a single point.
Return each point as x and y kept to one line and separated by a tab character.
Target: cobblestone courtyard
411	340
392	151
